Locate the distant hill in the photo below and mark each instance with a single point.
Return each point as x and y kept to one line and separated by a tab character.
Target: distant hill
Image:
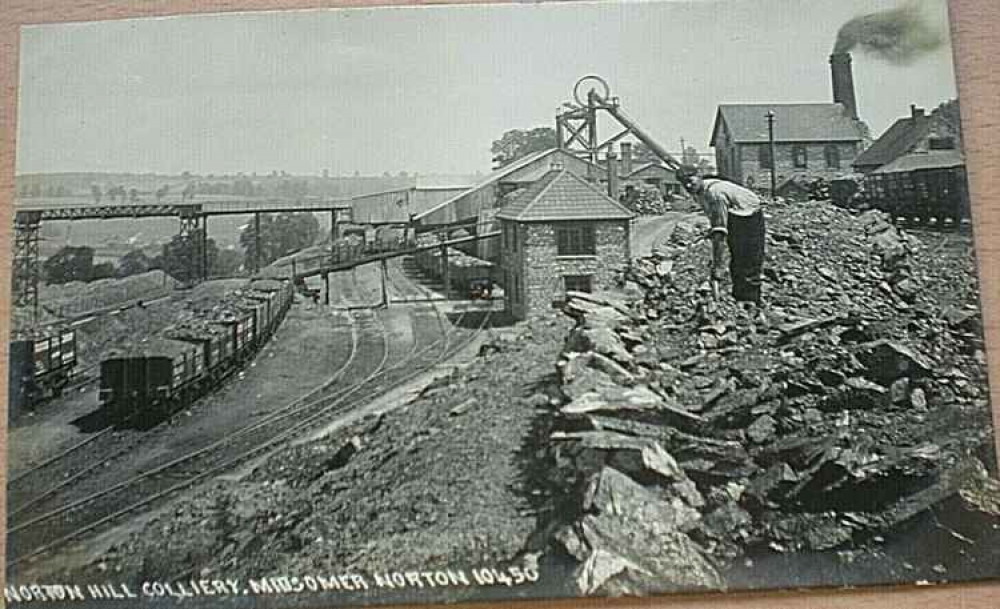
277	185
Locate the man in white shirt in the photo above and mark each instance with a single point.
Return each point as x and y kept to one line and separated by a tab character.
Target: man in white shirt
737	220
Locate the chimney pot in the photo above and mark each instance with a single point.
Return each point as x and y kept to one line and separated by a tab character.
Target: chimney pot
612	167
626	158
916	112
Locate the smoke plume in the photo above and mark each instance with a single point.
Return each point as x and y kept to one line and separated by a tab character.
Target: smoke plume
899	35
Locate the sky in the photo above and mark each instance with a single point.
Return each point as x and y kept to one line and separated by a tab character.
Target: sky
425	89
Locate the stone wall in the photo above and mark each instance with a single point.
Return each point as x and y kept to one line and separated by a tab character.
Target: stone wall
750	167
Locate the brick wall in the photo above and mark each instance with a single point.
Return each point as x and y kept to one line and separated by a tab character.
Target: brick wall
749	163
541	269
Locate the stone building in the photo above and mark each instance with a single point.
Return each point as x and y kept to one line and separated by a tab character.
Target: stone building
920	133
811	140
561	233
656	175
482	200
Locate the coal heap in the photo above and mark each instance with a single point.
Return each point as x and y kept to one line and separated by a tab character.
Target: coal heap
858	400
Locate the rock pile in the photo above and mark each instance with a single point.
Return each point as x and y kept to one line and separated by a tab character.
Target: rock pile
858	401
645	200
637	508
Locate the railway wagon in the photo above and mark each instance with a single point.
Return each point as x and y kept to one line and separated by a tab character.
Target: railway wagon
39	367
148	384
921	189
467	274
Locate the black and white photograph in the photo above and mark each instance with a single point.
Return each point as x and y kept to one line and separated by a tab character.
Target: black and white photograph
491	302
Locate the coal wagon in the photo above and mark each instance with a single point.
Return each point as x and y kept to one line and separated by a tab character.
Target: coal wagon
154	379
39	368
921	188
468	275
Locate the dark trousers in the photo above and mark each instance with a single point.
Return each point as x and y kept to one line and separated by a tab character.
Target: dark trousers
746	255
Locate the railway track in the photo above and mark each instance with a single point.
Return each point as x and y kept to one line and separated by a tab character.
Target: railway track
71	472
76	517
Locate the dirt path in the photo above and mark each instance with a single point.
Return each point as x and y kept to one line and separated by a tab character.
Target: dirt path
649	230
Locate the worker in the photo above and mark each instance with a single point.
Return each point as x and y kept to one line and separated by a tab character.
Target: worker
736	220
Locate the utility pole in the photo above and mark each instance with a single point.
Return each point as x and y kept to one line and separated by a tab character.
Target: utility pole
774	161
256	243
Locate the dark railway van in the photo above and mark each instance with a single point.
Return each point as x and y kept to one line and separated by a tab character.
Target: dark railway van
921	188
39	368
466	273
146	385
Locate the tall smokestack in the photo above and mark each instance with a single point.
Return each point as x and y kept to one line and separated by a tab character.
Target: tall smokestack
626	158
843	82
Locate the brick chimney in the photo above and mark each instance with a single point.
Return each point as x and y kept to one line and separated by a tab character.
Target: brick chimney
917	114
612	163
626	158
843	82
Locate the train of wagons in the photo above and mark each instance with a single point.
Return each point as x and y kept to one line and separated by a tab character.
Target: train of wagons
39	367
467	274
927	188
150	380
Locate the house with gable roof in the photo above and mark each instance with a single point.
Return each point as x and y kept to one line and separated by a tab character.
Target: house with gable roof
560	233
811	140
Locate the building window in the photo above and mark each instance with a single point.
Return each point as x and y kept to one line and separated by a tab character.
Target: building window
764	156
799	157
832	153
576	240
578	283
941	143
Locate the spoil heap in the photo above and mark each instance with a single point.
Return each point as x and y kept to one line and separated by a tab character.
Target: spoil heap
646	200
859	403
77	297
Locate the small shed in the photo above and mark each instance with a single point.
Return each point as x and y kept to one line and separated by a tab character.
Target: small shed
561	233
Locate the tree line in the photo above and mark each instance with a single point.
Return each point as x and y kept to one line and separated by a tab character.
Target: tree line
280	234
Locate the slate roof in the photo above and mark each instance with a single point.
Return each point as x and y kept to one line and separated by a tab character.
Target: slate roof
668	174
792	123
496	176
562	195
900	137
934	159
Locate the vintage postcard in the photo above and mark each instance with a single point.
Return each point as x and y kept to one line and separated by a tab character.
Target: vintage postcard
364	306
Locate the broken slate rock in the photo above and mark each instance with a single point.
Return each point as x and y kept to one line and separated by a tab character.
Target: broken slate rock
614	398
763	429
642	458
729	522
599	338
886	361
856	394
642	547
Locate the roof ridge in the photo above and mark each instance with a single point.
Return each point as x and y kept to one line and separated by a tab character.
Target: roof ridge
493	177
602	193
545	188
